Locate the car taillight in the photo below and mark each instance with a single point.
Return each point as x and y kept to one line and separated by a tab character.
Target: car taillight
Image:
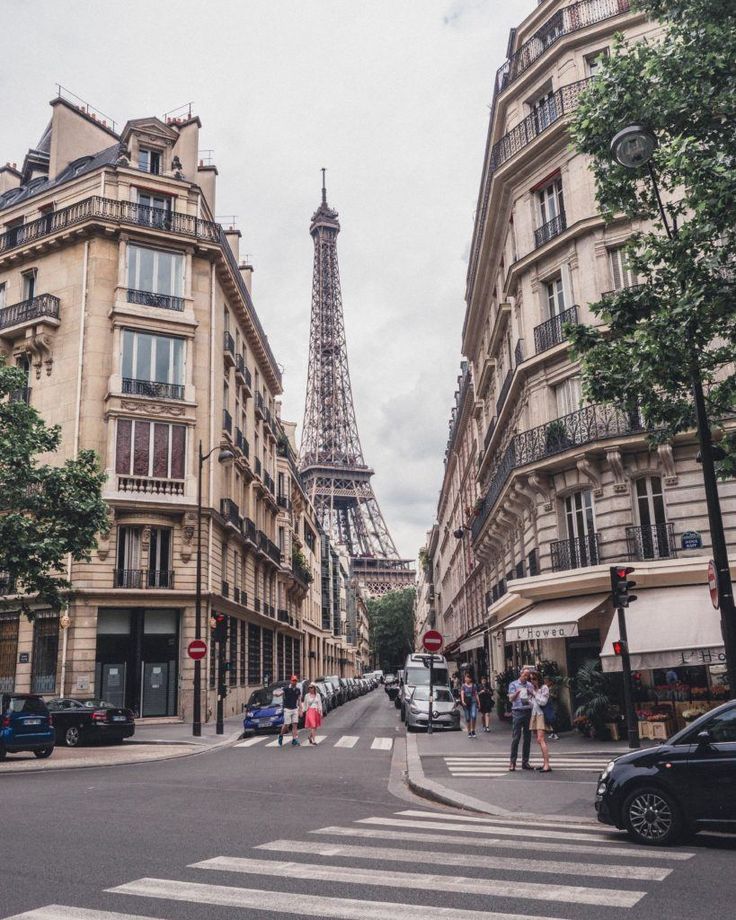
99	716
6	721
51	720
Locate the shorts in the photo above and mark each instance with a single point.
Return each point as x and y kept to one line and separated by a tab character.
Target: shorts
471	712
291	717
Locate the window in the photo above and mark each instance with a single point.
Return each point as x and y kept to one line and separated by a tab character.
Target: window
568	396
45	652
2	295
579	515
550	201
254	654
309	536
153	359
149	160
267	656
13	234
154	210
155	271
152	449
544	110
593	61
722	727
241	650
128	571
653	535
29	284
9	623
555	297
232	624
621	274
159	558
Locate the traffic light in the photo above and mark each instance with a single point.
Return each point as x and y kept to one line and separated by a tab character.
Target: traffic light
619	647
219	627
620	585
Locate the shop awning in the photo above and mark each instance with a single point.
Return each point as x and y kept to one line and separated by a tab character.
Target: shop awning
668	628
556	619
472	642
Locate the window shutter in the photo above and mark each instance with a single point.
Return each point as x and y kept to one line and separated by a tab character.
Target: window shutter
566	276
178	451
616	269
161	450
141	448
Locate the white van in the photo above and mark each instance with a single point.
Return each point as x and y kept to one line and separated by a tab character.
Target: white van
416	674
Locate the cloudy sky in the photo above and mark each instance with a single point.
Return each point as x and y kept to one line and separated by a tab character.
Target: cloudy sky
391	96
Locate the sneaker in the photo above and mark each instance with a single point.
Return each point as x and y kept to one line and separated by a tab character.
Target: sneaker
281	740
295	742
554	736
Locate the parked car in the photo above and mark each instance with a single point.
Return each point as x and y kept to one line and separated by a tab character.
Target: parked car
389	681
416	674
328	695
338	688
84	721
685	785
25	725
445	711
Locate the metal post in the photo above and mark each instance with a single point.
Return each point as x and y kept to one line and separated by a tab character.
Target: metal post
431	693
632	727
197	702
220	726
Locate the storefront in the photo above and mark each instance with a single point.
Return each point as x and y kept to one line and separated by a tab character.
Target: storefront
137	659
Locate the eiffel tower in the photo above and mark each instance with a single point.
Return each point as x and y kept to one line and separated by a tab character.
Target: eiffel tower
335	474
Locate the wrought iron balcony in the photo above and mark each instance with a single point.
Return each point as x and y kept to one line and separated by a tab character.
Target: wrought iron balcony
258	466
519	352
241	443
504	392
552	332
230	511
236	595
259	406
651	541
152	388
144	578
283	615
228	347
149	299
570	19
576	553
227	421
257	605
23	394
240	367
45	305
550	230
283	502
248	379
249	530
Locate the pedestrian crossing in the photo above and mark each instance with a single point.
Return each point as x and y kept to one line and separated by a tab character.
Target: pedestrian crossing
483	766
389	865
346	742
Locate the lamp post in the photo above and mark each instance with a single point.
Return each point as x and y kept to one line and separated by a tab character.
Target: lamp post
224	456
632	148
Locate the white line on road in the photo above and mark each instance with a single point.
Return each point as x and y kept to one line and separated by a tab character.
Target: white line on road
347	741
62	912
382	744
481	840
473	819
249	742
459	884
303	905
480	861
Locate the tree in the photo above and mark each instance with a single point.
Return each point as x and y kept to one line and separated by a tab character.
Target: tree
391	626
680	318
46	512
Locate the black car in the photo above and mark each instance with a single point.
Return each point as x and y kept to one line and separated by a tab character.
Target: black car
83	721
686	784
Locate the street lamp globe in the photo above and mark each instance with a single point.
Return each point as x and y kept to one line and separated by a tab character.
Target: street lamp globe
633	146
225	455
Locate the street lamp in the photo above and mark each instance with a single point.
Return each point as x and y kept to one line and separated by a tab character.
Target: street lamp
633	147
225	456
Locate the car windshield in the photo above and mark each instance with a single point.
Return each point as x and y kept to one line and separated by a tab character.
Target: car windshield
32	705
268	696
419	677
97	704
441	695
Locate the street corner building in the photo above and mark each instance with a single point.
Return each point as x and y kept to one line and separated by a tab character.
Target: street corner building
130	310
543	491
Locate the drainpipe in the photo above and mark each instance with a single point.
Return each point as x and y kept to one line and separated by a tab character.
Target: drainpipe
210	489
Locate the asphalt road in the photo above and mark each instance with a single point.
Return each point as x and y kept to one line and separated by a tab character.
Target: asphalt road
320	832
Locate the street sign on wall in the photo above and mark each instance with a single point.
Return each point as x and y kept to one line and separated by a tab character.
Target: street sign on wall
432	641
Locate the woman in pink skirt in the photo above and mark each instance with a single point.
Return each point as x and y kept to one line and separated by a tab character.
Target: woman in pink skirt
312	711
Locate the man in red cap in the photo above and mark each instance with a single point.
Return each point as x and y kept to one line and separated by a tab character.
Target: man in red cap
292	704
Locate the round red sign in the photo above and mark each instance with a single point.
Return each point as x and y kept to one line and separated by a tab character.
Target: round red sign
197	649
432	641
713	584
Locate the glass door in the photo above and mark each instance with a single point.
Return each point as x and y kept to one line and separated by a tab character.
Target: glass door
580	523
652	518
154	688
111	683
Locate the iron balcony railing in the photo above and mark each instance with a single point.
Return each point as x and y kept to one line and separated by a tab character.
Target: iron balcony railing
149	299
236	595
23	394
257	605
589	424
249	530
152	388
260	407
108	209
565	21
504	391
550	230
35	308
240	365
519	352
241	443
651	541
227	421
283	502
557	105
258	467
248	378
283	615
228	345
552	332
576	553
489	433
144	578
230	511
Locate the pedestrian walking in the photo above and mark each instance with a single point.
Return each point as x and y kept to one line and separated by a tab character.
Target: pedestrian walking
292	706
520	696
538	723
469	700
550	710
312	711
485	699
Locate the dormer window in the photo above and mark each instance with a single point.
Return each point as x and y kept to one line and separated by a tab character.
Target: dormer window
149	160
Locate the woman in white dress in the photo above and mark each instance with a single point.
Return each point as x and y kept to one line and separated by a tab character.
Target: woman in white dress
538	724
312	711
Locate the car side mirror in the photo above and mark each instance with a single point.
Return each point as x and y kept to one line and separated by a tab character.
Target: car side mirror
704	738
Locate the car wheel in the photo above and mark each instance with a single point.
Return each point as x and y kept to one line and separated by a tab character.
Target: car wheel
653	817
410	728
72	736
43	753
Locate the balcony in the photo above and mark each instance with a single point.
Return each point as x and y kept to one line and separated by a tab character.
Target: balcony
283	502
228	348
225	589
230	511
576	553
236	595
504	391
550	230
227	421
249	530
260	406
143	578
283	615
149	299
552	332
240	368
45	306
23	394
152	388
259	466
651	541
257	605
248	381
143	485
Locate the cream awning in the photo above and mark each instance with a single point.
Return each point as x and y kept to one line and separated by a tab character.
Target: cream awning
668	628
556	619
473	642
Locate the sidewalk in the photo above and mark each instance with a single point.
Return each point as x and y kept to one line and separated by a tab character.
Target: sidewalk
469	773
149	743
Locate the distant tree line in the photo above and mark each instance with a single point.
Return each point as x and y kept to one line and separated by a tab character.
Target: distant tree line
391	624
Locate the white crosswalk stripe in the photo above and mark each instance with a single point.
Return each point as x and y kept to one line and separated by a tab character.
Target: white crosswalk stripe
347	741
382	744
581	824
62	912
249	742
491	765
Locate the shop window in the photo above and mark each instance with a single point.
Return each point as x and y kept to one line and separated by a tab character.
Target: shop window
150	449
297	655
155	271
9	624
45	652
232	651
280	671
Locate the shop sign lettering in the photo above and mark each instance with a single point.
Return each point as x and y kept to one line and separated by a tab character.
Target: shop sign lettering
698	656
532	633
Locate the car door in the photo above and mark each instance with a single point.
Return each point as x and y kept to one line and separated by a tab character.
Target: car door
712	769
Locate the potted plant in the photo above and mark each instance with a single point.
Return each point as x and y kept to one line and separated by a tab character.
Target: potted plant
556	437
595	694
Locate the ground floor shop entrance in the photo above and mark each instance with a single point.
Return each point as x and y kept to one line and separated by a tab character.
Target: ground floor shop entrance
137	660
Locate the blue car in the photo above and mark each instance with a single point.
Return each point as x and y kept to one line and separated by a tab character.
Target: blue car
265	709
25	725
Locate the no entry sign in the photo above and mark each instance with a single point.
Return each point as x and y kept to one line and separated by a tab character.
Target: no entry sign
713	584
432	641
197	649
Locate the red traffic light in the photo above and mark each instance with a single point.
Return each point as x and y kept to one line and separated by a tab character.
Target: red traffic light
618	647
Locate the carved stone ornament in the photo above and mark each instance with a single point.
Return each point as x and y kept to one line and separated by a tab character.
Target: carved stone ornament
146	537
188	531
543	488
667	460
615	464
586	469
38	349
151	408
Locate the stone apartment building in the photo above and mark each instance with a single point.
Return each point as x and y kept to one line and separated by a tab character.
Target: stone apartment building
565	489
130	310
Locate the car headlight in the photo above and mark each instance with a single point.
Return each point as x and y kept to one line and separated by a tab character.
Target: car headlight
609	768
415	709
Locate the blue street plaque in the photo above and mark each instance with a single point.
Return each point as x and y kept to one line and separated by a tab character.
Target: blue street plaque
691	539
23	658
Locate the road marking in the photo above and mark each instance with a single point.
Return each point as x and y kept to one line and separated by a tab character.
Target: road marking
507	863
347	741
472	773
62	912
279	902
382	744
630	851
472	819
459	884
249	742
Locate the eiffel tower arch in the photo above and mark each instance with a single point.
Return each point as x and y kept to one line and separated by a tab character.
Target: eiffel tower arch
335	474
